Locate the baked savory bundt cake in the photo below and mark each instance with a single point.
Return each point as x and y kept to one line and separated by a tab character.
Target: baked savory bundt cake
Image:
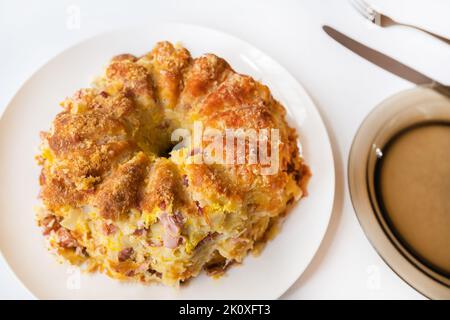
119	198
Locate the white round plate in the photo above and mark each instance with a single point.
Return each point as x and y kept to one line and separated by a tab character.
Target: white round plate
35	105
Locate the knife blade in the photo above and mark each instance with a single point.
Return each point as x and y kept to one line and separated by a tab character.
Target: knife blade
385	62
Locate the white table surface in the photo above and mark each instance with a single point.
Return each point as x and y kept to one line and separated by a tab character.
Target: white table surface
344	87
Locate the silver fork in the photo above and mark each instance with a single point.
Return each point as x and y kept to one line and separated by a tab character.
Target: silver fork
382	20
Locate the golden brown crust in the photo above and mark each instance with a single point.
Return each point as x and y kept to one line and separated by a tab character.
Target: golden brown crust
86	141
163	188
239	102
131	77
57	192
205	73
120	192
166	64
124	56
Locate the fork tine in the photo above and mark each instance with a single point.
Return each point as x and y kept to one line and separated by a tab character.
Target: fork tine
370	10
360	8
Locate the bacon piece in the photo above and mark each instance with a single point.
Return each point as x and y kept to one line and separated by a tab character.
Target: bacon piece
139	232
209	237
49	224
155	273
125	254
172	225
200	209
152	243
130	273
109	228
66	240
178	218
185	181
143	267
171	242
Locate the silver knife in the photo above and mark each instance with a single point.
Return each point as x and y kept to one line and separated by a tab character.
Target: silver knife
385	62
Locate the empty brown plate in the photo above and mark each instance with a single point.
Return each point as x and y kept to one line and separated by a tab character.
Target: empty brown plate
399	180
